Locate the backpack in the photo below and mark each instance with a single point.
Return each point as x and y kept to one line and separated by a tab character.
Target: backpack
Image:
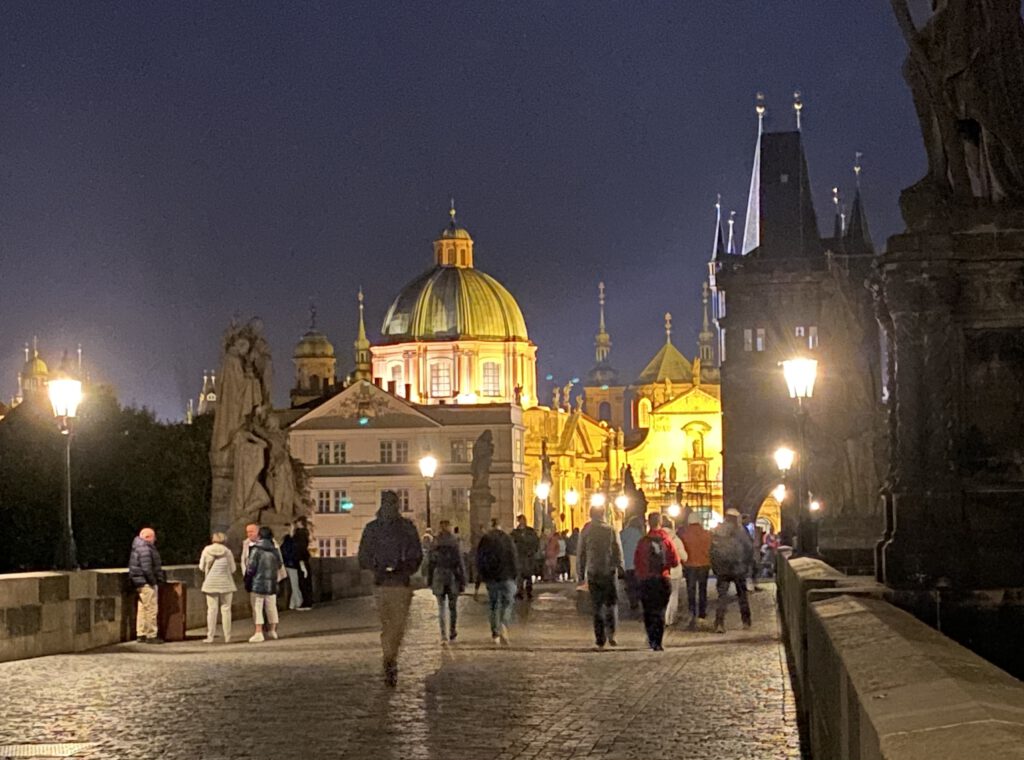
655	555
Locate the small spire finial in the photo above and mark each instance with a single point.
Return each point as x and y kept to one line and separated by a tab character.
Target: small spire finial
731	247
451	210
798	106
718	202
668	327
857	168
35	345
312	314
835	197
759	106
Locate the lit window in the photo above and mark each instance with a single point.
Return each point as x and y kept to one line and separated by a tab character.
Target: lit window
748	339
643	413
812	337
462	451
440	380
800	331
760	339
460	498
721	345
398	378
492	381
323	502
340	497
387	452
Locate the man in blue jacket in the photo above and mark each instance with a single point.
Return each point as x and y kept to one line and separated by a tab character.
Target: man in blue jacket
390	547
145	573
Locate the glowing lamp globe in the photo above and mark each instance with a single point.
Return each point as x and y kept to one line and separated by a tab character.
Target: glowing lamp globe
674	510
542	490
779	492
800	375
65	396
572	497
621	502
428	466
784	458
597	499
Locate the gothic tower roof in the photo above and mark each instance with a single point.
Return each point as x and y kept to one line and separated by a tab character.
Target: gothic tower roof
667	364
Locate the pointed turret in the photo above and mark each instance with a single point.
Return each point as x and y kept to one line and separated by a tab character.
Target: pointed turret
718	249
208	395
667	364
858	237
839	222
603	373
730	246
364	365
752	222
706	337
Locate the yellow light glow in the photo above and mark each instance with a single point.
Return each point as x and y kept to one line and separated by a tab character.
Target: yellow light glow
779	492
542	490
815	505
65	396
800	375
621	502
674	510
466	398
428	466
597	499
784	458
572	497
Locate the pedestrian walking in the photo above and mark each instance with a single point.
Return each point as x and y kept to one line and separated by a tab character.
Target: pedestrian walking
563	556
653	560
293	567
600	562
551	557
446	577
146	574
572	548
300	536
261	580
527	543
732	553
675	576
630	537
496	563
390	547
696	568
217	564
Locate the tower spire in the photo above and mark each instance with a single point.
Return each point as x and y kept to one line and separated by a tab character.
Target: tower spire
752	223
706	338
857	234
718	247
668	327
603	341
364	364
839	225
798	106
731	245
312	315
451	210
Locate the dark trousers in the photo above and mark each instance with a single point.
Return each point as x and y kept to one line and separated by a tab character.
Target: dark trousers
722	583
524	584
306	584
604	596
654	594
697	586
448	600
632	590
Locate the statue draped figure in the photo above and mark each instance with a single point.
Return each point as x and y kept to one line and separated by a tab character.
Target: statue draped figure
965	69
255	478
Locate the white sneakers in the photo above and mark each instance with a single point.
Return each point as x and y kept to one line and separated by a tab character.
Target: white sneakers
256	638
208	640
272	635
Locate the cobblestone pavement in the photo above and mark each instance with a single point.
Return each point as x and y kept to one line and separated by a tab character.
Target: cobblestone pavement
318	693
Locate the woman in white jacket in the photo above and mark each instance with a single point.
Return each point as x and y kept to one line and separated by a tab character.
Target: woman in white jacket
218	565
676	573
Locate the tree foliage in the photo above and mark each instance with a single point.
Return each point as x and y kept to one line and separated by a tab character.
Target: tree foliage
128	471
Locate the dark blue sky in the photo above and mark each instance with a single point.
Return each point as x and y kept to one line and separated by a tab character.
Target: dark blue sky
164	166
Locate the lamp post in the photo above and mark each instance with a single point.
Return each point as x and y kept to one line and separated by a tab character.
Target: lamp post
800	375
543	491
65	396
572	498
428	467
784	457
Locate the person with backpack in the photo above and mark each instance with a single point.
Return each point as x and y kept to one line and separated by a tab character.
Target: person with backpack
653	561
390	547
630	537
261	580
600	563
446	577
527	543
732	553
496	563
676	575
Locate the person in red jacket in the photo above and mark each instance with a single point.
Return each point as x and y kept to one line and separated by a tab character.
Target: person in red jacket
654	559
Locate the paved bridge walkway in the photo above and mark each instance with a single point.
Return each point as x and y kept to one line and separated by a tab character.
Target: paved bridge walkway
317	692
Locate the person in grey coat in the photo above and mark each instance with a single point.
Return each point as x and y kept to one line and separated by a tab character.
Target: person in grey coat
600	563
261	579
732	554
218	566
446	576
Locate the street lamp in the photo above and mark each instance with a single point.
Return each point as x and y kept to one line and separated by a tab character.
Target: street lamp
542	491
800	375
674	510
65	396
572	498
779	493
597	499
784	459
428	466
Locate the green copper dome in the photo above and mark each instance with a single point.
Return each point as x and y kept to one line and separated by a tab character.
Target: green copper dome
453	303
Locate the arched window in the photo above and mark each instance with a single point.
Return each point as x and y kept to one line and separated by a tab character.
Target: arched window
643	413
604	412
397	376
314	382
492	379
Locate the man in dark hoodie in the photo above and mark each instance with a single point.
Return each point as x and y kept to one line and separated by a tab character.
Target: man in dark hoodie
145	573
496	562
390	547
446	577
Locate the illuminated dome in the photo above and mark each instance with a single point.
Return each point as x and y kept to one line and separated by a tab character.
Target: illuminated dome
453	303
314	344
35	367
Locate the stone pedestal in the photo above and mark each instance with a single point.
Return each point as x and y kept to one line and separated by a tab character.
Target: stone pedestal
480	503
953	309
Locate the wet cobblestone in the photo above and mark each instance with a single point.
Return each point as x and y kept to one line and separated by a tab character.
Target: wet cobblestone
317	692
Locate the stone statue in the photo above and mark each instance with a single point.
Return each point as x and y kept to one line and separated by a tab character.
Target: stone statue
255	478
566	394
673	475
483	454
517	395
556	396
966	73
579	403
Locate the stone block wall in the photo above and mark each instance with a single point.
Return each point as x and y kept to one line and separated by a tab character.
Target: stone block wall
56	612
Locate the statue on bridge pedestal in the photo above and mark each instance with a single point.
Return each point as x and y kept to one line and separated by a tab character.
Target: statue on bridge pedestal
255	478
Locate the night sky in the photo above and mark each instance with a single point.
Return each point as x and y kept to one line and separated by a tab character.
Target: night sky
164	166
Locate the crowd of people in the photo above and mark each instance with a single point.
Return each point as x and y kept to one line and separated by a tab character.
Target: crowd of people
654	561
269	569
